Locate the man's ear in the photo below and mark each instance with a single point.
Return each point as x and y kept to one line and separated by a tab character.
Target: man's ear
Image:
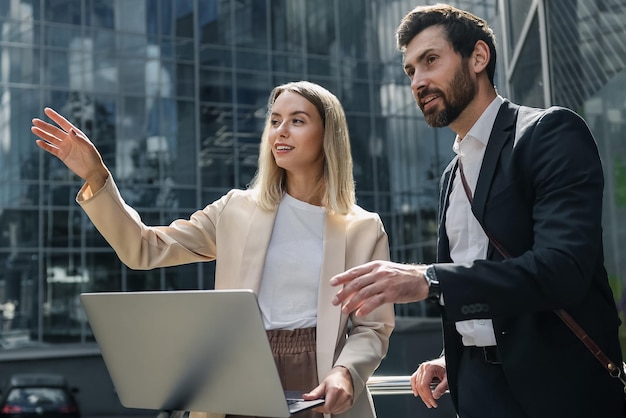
480	56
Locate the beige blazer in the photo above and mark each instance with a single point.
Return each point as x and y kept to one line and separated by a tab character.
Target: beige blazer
243	231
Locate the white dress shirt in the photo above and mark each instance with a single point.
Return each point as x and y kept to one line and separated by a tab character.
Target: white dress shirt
468	241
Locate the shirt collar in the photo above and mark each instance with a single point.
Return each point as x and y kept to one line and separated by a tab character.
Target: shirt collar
481	130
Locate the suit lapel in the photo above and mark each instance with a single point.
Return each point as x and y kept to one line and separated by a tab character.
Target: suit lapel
501	134
255	248
443	246
328	315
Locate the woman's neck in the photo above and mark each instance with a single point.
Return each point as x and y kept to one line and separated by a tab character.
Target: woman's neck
309	190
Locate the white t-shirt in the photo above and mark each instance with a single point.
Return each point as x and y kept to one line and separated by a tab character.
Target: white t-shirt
291	274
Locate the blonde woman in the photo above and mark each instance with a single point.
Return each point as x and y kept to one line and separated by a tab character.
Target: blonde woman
284	237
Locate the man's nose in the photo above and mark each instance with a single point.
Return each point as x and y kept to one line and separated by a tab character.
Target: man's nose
418	82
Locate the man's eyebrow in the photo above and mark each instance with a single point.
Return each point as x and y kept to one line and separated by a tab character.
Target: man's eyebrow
419	58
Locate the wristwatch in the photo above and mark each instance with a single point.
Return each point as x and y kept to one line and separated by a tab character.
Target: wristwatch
434	291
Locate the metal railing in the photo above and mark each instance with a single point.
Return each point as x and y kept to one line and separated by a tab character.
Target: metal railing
389	385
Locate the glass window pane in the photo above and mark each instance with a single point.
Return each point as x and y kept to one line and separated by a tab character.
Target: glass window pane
287	23
19	106
100	13
63	11
180	128
184	18
215	56
216	146
252	60
251	30
527	80
18	32
288	63
252	89
184	80
320	26
19	226
214	22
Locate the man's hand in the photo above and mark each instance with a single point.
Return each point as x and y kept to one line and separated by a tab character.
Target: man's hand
370	285
337	391
426	374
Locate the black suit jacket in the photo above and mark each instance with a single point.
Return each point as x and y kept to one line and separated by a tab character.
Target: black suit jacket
542	200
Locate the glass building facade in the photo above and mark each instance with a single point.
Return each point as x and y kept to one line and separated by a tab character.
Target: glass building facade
173	93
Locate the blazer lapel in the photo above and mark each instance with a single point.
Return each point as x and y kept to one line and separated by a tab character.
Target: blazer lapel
328	315
255	248
501	134
443	246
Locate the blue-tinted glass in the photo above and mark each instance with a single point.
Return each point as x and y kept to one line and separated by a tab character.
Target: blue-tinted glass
321	66
287	23
356	96
518	12
320	26
527	81
182	277
251	29
215	56
27	10
216	86
248	138
131	16
19	106
19	32
353	41
104	41
185	50
216	146
100	13
132	76
62	36
181	130
167	17
252	60
21	65
214	21
252	89
152	17
288	63
132	44
62	11
98	122
185	80
184	18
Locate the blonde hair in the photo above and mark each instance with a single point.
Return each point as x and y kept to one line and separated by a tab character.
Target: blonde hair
337	183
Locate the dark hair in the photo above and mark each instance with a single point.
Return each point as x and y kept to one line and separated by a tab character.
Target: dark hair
462	28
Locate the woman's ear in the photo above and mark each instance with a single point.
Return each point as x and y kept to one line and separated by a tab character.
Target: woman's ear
480	56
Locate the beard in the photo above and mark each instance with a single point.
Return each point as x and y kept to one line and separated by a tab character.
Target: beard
462	91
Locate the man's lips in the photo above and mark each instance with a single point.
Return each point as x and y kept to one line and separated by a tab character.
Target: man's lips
428	101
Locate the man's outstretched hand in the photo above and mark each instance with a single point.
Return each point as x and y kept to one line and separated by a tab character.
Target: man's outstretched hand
370	285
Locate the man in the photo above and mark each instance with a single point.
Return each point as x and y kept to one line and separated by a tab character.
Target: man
538	193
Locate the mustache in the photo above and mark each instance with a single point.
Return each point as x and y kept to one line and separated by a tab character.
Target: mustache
428	92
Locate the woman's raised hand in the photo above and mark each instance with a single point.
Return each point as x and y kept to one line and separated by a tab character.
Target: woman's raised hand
70	145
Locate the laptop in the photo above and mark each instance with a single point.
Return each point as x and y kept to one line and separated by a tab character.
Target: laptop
196	350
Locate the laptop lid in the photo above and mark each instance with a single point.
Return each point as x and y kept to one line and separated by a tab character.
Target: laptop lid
197	350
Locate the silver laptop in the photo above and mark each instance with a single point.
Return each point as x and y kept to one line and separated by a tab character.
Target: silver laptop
199	350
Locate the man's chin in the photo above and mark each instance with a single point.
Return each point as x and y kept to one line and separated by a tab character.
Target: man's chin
436	120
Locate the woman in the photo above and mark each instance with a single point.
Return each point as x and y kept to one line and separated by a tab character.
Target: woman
284	237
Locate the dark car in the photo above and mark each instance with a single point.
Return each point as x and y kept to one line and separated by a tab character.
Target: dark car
38	395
